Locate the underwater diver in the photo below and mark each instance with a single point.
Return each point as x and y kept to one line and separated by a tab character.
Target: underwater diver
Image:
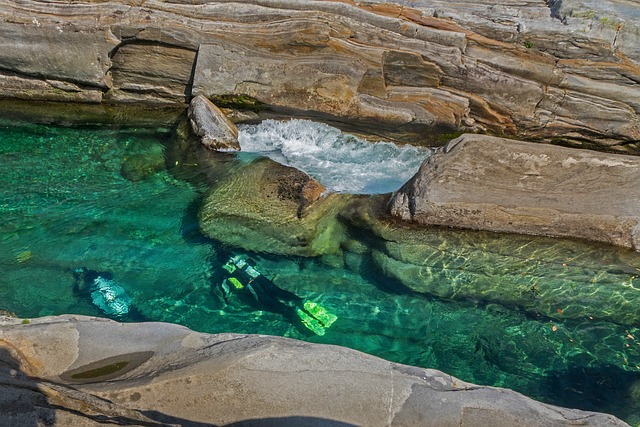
239	275
105	293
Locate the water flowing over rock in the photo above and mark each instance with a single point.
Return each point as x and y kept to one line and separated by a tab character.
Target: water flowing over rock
75	370
567	72
212	127
488	183
267	207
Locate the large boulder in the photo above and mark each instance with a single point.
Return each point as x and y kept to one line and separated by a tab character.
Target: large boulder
487	183
564	71
75	370
264	206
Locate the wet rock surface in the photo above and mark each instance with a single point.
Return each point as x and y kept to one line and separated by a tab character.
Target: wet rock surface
488	183
567	71
267	207
163	374
549	277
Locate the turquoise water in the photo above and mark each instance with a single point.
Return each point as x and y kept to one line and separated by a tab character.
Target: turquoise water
477	306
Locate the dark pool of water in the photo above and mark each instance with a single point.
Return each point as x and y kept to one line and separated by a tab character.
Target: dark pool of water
78	197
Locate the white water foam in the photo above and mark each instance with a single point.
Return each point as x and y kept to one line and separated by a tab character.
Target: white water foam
341	162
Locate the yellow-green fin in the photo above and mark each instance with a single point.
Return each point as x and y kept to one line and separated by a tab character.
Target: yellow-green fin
310	323
320	313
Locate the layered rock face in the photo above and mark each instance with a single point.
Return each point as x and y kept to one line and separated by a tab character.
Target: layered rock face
489	183
74	370
568	71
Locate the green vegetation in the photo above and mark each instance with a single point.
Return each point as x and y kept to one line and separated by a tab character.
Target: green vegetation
238	102
101	371
26	321
584	14
443	138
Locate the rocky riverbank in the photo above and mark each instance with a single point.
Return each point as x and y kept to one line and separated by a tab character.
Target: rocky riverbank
75	370
566	72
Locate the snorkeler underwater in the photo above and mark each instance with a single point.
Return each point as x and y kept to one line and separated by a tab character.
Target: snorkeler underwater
105	293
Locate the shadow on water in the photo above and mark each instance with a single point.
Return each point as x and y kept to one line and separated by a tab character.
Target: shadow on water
604	388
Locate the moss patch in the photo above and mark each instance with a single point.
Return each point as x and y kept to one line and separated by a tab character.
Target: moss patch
238	102
106	369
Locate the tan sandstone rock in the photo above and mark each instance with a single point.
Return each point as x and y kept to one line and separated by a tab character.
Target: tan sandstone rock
264	206
567	71
488	183
87	371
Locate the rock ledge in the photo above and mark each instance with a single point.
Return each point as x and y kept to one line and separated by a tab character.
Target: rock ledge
495	184
75	370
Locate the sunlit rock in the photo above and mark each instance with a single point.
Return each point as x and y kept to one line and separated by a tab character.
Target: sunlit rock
495	184
267	207
213	128
564	72
72	370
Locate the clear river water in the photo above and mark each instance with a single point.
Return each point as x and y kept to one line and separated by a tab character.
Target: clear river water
74	197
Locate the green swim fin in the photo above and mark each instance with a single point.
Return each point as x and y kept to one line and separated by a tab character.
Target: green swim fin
320	313
310	323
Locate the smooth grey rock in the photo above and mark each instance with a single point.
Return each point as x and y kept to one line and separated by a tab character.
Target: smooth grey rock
496	184
213	128
84	371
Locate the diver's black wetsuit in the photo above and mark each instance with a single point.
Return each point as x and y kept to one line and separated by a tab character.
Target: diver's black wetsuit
238	275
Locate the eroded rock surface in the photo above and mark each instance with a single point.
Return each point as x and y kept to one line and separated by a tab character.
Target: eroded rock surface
264	206
411	71
495	184
556	278
212	127
75	370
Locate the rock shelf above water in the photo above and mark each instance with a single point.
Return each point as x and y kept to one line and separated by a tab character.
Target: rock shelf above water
495	184
81	371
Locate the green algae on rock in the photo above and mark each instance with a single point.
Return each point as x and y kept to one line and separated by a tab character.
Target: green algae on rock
267	207
555	278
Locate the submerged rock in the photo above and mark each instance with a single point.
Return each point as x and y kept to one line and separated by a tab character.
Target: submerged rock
554	278
140	166
264	206
495	184
213	128
75	370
